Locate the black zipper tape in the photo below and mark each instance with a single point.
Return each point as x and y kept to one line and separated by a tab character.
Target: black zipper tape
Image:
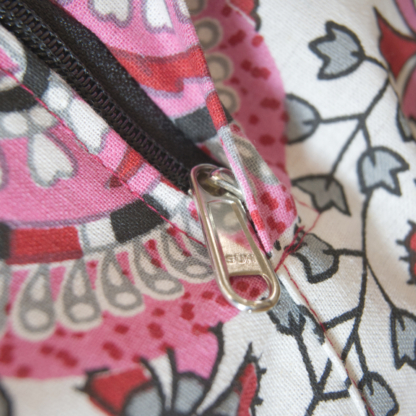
37	35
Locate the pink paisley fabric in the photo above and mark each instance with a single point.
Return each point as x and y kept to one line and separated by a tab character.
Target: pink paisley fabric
90	281
92	263
108	302
184	79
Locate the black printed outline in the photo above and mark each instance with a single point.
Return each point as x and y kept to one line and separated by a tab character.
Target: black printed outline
154	381
373	376
329	37
295	329
218	332
361	119
329	179
393	173
317	278
317	118
255	15
378	17
399	125
396	316
87	389
248	359
357	312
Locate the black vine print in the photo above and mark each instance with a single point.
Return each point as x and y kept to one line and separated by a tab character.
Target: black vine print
325	190
296	321
313	248
340	51
378	167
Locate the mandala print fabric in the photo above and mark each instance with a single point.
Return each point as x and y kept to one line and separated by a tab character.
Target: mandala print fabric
108	301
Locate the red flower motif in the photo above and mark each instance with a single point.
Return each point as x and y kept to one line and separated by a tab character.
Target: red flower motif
399	51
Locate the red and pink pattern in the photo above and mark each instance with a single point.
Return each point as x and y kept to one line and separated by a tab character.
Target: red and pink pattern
168	73
70	262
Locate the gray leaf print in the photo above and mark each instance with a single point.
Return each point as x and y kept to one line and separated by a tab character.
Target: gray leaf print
319	259
285	313
379	395
403	335
303	119
292	319
378	168
325	191
190	390
188	265
340	50
229	406
145	398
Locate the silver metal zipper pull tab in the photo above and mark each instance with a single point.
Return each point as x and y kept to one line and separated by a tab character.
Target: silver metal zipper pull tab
232	244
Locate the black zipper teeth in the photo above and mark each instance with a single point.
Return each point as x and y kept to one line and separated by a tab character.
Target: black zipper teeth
29	28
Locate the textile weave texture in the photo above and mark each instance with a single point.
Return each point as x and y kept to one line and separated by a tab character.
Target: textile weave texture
108	302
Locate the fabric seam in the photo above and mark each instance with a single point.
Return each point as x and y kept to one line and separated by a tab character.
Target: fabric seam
326	335
65	126
285	256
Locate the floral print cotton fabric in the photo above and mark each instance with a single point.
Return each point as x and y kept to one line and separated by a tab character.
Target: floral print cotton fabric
107	299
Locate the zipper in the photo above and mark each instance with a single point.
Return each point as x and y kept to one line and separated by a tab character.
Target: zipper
232	244
41	40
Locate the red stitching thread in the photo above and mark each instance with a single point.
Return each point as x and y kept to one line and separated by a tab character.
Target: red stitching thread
284	256
305	298
286	250
289	249
63	124
305	205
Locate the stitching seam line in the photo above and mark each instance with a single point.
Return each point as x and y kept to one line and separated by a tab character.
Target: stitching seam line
64	125
290	249
285	256
327	337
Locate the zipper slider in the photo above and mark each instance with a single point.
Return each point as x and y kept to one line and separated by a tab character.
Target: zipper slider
231	242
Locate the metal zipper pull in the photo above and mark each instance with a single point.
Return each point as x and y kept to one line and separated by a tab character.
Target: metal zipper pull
232	244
